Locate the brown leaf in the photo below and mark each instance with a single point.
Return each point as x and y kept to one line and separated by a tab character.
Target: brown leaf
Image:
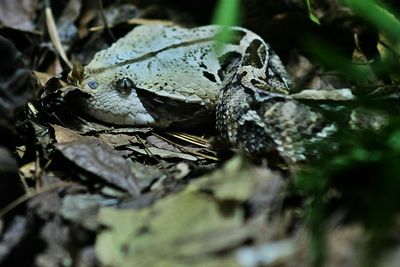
145	174
82	209
41	78
64	135
99	159
160	143
117	140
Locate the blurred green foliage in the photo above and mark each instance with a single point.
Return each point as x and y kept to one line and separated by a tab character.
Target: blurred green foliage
330	57
227	13
362	174
377	15
311	15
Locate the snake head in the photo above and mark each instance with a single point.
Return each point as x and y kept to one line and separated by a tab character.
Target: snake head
109	94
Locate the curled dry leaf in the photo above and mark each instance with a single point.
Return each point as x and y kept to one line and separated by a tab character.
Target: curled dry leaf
99	159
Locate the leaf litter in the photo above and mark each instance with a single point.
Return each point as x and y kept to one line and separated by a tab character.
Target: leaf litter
86	194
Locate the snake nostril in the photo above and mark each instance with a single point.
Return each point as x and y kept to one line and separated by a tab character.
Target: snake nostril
124	86
93	84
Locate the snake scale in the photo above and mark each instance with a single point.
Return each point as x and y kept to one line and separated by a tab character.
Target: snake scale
169	75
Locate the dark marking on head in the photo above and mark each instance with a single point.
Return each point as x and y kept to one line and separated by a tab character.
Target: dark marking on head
209	76
252	56
153	54
262	52
202	65
124	86
228	62
272	74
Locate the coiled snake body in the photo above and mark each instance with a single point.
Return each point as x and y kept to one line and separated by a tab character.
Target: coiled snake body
162	75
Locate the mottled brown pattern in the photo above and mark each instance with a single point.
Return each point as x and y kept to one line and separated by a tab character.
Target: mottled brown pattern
260	122
176	76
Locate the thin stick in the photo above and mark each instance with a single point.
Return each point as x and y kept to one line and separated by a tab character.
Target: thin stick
54	37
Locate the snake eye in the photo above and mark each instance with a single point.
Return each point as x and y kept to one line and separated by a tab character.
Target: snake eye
93	84
124	86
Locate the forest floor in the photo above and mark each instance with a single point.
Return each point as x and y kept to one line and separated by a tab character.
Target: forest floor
76	192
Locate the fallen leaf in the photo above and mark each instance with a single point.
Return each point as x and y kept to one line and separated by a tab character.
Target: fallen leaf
41	78
238	180
160	143
65	135
175	232
118	140
188	226
145	174
82	209
99	159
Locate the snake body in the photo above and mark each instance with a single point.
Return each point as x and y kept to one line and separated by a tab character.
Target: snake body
160	75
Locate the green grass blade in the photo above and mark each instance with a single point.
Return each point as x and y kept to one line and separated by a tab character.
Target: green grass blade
311	15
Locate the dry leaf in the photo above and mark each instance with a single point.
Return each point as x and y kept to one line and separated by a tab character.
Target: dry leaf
102	161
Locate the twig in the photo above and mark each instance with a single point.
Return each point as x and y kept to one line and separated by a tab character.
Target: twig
54	37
